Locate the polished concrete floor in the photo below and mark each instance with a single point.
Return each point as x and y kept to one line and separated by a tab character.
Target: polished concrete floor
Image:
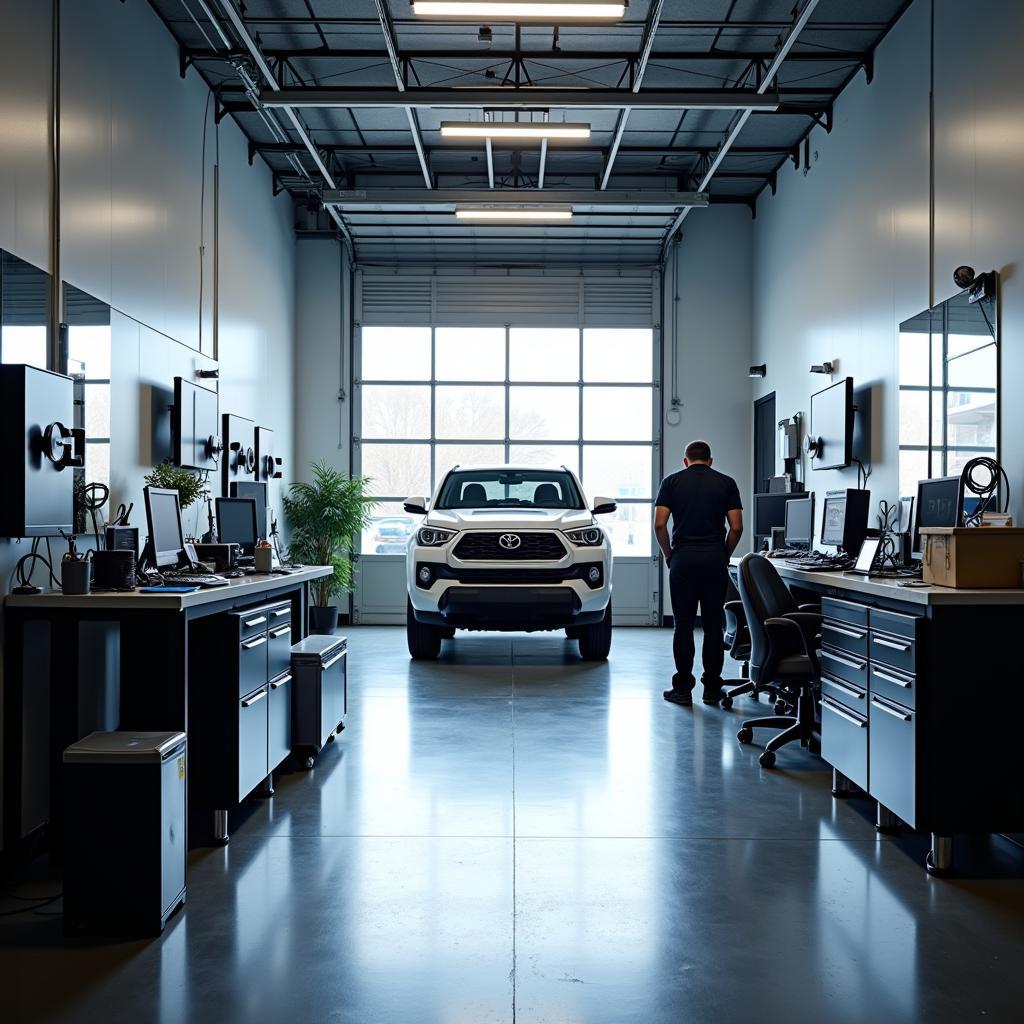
510	834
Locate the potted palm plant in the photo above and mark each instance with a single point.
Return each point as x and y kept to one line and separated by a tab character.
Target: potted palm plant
325	518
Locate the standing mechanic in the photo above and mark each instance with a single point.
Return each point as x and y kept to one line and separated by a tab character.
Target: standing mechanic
700	501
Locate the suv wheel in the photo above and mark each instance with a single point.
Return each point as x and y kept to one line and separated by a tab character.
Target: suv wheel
596	640
424	640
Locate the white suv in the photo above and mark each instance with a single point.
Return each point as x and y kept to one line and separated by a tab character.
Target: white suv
509	548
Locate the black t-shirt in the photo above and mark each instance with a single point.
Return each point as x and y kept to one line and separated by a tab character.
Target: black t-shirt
698	498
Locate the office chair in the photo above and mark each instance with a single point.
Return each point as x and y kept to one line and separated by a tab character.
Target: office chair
736	638
784	640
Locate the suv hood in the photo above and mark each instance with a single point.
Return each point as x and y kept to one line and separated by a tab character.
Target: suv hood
509	518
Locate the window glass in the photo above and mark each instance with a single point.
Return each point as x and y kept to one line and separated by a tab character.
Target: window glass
397	469
913	467
396	353
913	358
971	362
396	411
914	406
617	471
618	355
971	419
550	456
544	413
509	488
469	353
24	345
389	531
449	455
617	414
89	351
470	413
544	353
629	529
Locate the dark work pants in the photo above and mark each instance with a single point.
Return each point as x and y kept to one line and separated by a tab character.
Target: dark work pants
698	575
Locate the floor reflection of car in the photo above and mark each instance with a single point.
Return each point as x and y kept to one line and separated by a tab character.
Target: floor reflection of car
392	535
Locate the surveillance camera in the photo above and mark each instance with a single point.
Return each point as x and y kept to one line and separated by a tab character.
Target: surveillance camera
758	371
963	277
825	367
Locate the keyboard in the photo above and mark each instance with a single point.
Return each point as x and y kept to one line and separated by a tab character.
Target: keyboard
211	580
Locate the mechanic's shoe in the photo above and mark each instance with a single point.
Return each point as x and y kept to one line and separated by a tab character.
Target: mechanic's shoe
681	697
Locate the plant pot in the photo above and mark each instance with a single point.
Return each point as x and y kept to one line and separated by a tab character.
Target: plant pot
322	621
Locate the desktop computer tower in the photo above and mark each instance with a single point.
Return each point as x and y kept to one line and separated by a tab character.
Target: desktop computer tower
124	832
42	448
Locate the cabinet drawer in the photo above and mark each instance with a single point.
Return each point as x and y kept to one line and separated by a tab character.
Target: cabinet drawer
279	646
845	636
251	623
333	694
842	692
252	741
894	685
841	665
844	611
252	664
279	721
894	650
895	623
844	741
892	755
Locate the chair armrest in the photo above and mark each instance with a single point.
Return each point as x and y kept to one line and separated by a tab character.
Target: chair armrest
736	607
810	608
806	625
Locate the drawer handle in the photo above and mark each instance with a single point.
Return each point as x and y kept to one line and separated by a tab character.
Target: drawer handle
254	699
334	660
283	631
852	633
890	711
281	611
859	665
845	689
905	683
251	645
277	683
894	644
846	716
255	622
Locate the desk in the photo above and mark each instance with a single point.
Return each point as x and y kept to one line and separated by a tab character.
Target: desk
919	695
52	640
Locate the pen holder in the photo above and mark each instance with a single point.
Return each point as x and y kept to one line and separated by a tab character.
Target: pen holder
76	576
264	559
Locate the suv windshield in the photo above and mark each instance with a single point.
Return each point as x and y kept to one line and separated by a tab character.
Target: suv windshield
510	488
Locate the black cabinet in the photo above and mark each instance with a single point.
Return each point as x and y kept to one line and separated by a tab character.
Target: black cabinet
279	720
893	758
844	741
252	741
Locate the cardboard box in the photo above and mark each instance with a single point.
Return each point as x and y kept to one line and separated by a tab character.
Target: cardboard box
973	557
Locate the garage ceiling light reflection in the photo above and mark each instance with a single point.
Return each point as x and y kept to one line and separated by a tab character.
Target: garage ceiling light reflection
516	9
514	213
513	130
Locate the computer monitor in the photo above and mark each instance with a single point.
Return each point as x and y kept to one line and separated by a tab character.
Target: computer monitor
258	493
236	523
844	519
938	504
800	522
163	518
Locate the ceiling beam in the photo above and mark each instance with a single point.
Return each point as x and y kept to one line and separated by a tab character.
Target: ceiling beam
500	145
250	44
381	199
650	28
520	98
389	41
743	116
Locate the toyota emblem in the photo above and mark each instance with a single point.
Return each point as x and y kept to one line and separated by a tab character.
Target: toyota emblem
510	541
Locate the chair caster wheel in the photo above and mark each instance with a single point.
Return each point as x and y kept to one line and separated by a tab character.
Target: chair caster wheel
745	735
780	707
310	761
767	759
725	703
330	739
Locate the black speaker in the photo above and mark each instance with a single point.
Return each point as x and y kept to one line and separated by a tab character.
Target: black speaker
40	450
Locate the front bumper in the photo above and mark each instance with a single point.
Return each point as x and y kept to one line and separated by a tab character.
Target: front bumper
508	608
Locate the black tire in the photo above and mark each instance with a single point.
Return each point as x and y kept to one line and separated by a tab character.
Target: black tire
572	632
596	641
424	640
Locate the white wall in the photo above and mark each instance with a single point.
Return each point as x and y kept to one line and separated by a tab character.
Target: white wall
841	256
132	172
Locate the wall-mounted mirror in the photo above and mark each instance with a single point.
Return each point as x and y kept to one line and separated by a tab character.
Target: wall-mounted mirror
24	312
949	385
87	349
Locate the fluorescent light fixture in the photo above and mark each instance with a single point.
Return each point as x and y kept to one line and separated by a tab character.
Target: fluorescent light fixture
516	9
513	130
510	213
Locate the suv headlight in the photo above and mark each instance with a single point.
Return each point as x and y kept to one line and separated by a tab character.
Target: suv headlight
588	537
433	537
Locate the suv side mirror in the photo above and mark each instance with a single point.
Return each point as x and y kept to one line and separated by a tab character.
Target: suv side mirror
602	506
415	506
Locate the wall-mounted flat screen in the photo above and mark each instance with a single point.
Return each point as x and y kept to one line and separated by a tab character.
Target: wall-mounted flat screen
832	425
195	425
